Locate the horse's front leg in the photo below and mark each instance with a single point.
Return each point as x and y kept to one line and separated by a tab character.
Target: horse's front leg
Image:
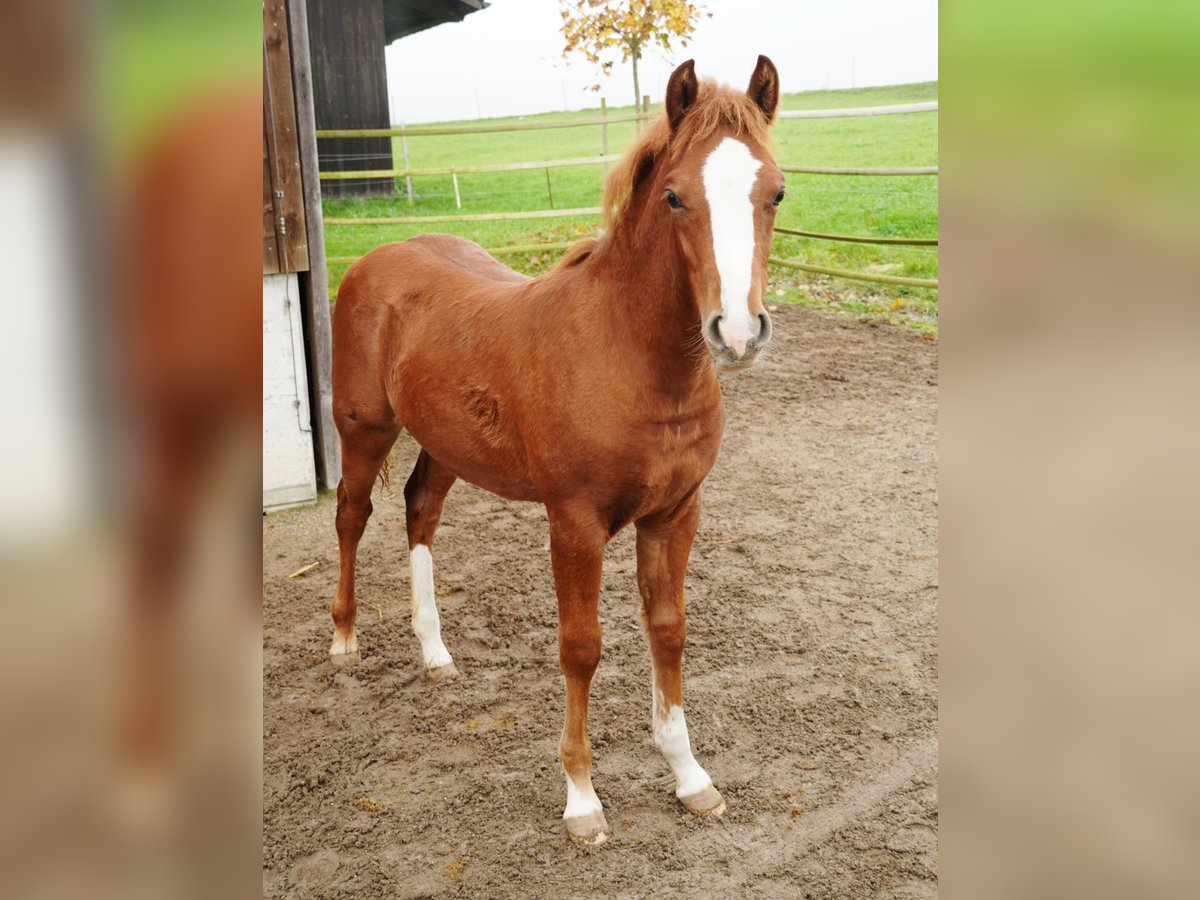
577	553
663	545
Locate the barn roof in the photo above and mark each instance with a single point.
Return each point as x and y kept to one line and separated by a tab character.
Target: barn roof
405	17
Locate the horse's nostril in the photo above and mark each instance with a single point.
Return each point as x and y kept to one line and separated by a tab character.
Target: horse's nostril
764	329
712	331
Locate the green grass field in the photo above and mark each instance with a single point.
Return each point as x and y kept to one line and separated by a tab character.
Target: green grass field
853	205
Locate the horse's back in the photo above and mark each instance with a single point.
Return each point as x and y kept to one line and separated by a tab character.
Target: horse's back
433	262
466	256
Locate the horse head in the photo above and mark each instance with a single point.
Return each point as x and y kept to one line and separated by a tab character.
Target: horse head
707	167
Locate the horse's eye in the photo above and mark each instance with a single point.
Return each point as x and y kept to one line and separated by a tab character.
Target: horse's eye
778	198
673	201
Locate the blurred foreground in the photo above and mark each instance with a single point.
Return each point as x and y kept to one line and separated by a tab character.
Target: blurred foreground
131	706
1069	440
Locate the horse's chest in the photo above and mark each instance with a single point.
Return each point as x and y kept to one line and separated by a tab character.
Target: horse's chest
679	455
685	445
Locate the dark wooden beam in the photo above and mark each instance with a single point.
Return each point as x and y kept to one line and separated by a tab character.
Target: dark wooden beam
318	335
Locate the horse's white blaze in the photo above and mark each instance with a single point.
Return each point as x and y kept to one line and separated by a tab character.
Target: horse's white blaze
581	799
425	621
728	177
671	736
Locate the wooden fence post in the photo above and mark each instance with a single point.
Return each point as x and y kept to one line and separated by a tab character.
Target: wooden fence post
317	328
604	130
549	190
645	104
407	178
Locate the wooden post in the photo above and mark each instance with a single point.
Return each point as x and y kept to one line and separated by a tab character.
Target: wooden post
407	178
645	104
549	190
282	142
315	302
457	198
604	130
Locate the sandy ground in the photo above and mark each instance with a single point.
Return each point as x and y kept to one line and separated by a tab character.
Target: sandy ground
810	675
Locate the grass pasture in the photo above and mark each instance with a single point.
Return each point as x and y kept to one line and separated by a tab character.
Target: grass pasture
892	206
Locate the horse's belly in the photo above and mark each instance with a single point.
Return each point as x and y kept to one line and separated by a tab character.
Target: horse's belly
475	451
504	480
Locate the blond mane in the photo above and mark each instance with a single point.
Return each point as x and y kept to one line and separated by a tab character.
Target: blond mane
716	106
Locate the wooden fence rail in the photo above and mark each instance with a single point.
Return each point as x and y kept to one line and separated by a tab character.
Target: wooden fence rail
427	130
786	263
856	239
468	170
595	211
476	217
855	276
495	251
894	110
774	260
824	170
599	159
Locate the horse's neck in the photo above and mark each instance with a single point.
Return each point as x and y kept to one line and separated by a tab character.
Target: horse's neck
649	299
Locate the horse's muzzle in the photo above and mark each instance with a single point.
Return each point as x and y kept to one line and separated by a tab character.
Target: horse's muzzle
736	348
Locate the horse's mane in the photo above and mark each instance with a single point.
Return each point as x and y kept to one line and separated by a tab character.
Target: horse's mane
577	253
715	106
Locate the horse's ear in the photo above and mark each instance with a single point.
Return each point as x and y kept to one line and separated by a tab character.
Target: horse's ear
681	92
764	87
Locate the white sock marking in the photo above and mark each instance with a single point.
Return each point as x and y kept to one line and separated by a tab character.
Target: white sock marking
343	645
581	799
425	621
728	177
671	736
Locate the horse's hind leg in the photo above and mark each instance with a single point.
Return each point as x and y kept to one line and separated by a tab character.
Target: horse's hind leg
363	453
424	495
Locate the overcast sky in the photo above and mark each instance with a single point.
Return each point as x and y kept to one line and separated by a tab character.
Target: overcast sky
507	59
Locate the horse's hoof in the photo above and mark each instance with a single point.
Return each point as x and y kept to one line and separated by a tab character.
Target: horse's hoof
708	802
344	649
441	673
589	830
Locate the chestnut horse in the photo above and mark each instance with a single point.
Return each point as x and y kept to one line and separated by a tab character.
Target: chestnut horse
591	389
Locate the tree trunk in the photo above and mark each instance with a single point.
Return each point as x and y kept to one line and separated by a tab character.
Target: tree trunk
637	92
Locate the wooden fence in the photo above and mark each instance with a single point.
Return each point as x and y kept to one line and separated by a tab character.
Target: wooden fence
425	130
472	170
604	158
895	109
593	161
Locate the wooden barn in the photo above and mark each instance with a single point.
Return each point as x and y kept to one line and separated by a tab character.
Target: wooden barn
323	67
350	76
